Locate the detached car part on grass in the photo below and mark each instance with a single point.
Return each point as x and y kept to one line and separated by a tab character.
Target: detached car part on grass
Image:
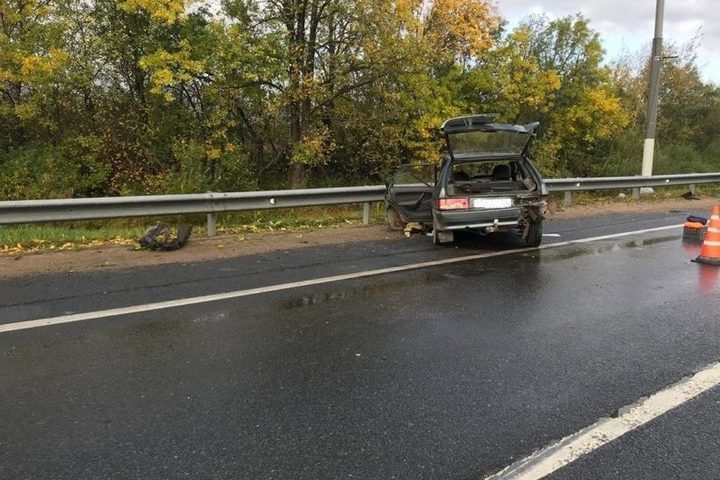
159	237
486	183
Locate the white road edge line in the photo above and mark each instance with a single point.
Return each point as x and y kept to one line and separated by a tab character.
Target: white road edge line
557	455
182	302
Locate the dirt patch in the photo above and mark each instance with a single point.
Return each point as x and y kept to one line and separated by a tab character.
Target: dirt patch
229	246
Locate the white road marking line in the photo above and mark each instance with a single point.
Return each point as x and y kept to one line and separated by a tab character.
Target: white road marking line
551	235
569	449
182	302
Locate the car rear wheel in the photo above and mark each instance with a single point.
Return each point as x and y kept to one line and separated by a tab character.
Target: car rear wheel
532	233
395	221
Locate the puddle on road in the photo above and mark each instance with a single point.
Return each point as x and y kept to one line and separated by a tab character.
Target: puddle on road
383	287
175	328
573	251
369	289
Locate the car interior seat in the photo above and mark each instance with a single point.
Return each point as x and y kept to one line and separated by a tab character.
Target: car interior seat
460	176
501	172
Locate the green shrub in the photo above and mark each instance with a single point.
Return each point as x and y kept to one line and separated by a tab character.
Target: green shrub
685	159
72	169
195	172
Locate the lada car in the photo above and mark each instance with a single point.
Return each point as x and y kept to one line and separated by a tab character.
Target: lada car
486	183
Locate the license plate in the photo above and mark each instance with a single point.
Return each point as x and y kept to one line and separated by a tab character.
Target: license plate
502	202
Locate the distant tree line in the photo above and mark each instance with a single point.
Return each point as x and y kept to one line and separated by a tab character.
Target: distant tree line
108	97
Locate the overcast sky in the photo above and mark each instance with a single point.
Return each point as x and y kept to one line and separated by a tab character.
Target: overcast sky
629	24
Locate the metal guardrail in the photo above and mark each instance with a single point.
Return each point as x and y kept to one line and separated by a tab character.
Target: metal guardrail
34	211
569	185
610	183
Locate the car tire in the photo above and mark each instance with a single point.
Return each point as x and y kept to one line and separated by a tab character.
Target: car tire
532	235
395	221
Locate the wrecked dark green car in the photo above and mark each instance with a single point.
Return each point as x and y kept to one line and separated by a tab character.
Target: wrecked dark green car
486	183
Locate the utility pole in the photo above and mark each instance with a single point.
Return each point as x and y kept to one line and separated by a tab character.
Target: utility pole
652	108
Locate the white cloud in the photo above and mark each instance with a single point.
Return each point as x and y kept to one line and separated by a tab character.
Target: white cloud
630	24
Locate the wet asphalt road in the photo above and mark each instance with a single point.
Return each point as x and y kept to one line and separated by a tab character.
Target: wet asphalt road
681	444
446	372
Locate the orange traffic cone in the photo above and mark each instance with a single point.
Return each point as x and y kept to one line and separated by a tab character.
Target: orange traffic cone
710	250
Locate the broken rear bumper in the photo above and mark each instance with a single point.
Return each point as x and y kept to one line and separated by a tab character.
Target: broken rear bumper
445	220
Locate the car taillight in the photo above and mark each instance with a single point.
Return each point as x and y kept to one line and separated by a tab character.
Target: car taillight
455	203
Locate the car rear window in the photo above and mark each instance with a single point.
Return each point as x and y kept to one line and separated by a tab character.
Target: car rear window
488	142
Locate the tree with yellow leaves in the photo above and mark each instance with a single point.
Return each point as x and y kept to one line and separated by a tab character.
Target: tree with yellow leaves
31	59
551	71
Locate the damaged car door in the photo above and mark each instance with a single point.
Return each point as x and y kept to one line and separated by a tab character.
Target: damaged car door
409	195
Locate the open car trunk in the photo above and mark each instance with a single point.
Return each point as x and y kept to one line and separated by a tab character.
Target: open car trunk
490	176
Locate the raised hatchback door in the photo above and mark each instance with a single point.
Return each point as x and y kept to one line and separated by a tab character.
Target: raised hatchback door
479	135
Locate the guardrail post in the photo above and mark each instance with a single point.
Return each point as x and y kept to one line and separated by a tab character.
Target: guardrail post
211	224
693	188
567	199
366	213
636	193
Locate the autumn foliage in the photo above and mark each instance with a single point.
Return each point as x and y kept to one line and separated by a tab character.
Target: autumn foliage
167	96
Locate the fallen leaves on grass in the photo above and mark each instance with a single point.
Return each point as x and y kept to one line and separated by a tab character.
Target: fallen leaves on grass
11	249
37	245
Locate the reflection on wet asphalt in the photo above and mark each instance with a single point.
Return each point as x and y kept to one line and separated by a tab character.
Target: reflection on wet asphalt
579	250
